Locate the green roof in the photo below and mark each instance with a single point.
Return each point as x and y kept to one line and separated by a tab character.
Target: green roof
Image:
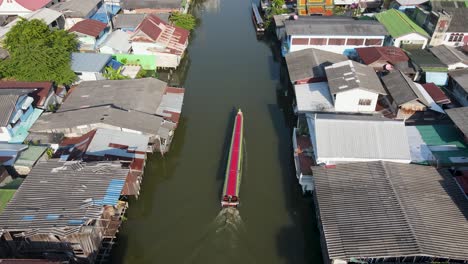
444	136
147	62
398	24
30	156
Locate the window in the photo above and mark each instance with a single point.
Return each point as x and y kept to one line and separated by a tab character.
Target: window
365	101
355	42
334	41
318	41
373	42
455	37
300	41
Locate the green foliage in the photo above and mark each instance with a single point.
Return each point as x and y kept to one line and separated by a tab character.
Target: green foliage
141	74
49	152
38	53
278	4
113	74
186	21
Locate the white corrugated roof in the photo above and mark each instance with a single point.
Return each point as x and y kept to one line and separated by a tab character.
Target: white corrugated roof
118	40
104	138
353	137
312	97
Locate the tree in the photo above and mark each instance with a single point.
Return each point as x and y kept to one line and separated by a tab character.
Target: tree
186	21
38	53
113	74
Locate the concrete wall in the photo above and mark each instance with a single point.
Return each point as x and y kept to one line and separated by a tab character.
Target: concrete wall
340	49
412	38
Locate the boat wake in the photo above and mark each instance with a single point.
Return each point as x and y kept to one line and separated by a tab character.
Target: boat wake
224	241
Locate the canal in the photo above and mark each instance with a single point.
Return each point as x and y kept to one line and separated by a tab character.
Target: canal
177	218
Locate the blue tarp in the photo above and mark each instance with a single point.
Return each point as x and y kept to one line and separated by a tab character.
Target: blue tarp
114	64
101	15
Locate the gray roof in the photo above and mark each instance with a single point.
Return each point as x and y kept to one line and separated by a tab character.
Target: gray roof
142	95
8	100
157	4
89	62
128	20
360	137
118	40
449	55
76	8
59	197
349	75
310	63
458	11
337	26
45	14
134	120
402	89
460	117
461	77
385	209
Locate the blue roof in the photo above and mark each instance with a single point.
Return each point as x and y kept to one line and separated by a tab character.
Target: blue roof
115	64
113	193
89	62
101	15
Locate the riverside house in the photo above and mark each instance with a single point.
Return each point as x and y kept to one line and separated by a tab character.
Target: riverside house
144	106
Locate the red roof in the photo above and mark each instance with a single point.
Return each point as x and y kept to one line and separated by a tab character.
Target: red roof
40	95
392	55
31	4
75	147
172	37
89	27
436	93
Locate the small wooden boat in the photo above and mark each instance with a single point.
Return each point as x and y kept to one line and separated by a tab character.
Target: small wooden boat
257	19
230	196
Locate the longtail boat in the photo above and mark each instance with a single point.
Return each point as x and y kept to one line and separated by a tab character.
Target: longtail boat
230	197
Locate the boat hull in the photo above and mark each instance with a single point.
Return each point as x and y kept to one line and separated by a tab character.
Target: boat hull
230	196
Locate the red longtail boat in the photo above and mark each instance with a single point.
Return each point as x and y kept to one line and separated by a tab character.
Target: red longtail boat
230	197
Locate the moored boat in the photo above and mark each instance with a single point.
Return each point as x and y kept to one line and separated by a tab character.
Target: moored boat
230	196
257	19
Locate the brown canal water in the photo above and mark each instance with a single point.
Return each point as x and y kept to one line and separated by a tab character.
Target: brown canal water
177	218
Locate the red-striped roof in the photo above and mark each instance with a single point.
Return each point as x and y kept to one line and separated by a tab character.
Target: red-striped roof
436	93
89	27
173	38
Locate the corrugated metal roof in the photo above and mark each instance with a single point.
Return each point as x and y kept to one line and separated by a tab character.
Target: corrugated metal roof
313	97
94	116
349	75
384	209
398	24
119	41
30	156
436	93
118	143
317	25
310	63
59	197
461	77
76	8
89	27
128	21
156	4
392	55
402	89
350	137
89	62
8	100
449	55
460	117
143	95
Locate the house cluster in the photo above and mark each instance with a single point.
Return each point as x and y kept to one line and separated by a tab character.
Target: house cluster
122	27
381	140
72	157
